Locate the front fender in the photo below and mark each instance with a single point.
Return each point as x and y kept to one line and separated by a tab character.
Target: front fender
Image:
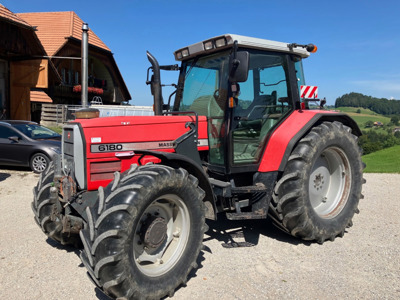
177	160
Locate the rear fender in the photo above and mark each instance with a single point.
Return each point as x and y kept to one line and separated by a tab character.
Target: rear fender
285	138
180	161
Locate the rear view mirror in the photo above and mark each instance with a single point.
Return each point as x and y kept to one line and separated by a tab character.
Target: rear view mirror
14	138
239	66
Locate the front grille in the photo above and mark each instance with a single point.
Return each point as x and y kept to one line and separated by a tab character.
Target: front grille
68	151
68	142
73	154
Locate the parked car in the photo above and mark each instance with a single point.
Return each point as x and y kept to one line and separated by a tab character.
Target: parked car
26	143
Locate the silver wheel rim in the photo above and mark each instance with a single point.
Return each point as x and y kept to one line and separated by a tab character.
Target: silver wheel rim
39	163
171	213
330	183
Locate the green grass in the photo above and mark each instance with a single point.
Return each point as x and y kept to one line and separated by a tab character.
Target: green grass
56	129
362	119
364	111
365	116
383	161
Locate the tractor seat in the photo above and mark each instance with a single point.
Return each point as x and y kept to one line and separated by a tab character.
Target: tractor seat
206	106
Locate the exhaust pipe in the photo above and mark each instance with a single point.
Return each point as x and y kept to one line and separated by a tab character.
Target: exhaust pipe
85	64
156	85
85	112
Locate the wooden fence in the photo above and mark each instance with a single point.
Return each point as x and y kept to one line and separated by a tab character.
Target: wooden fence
57	114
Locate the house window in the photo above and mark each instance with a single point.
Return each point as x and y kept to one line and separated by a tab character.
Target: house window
70	72
63	76
76	77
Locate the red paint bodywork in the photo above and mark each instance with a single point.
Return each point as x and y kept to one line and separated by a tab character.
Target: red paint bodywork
136	129
142	129
280	138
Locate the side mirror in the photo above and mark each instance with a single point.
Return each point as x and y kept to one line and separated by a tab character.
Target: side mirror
322	103
14	138
239	66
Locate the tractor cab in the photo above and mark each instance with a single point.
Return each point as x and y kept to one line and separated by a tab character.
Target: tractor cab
245	87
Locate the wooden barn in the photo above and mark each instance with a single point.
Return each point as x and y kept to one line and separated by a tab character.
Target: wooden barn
22	66
40	63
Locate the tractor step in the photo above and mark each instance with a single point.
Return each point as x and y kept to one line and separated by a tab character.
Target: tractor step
259	192
250	189
225	189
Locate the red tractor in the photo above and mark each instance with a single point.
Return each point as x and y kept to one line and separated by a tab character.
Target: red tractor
238	139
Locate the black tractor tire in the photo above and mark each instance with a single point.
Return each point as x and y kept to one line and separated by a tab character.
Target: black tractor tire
39	162
45	210
145	232
319	191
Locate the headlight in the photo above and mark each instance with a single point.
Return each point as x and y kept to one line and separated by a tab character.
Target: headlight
220	42
185	52
208	45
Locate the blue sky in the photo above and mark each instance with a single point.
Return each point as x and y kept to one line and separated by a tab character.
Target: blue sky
358	41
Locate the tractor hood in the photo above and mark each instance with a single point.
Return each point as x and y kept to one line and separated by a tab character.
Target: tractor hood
110	143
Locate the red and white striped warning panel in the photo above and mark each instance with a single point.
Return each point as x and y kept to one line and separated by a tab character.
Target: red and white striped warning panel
308	91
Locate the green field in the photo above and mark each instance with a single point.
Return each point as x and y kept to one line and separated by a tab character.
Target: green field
364	116
349	110
383	161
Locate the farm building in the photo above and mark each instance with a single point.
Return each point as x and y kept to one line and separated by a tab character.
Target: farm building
40	63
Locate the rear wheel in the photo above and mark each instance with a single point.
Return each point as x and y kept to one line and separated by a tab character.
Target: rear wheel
320	188
145	232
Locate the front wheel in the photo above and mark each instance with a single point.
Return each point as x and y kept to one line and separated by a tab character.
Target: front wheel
145	232
46	213
319	191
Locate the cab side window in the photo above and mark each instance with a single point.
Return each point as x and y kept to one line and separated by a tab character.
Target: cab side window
263	102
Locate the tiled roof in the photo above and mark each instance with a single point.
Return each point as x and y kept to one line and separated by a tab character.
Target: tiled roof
9	16
53	29
40	96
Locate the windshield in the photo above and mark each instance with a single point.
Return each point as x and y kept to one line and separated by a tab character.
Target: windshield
205	79
36	132
205	92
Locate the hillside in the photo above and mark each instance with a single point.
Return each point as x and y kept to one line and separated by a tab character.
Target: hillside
378	105
383	161
365	115
379	132
378	120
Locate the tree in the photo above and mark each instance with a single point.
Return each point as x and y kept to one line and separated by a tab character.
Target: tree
369	124
395	120
378	105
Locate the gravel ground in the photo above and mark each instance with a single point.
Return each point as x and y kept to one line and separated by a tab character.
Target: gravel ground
364	264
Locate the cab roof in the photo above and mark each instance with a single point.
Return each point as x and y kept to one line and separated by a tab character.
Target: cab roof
243	41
